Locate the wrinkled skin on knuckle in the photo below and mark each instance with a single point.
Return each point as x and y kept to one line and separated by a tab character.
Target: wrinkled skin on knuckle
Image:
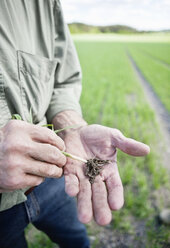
14	145
24	145
38	182
55	140
62	159
60	172
53	157
14	125
84	185
75	168
9	156
14	138
13	182
50	139
7	146
11	129
53	171
8	163
118	136
63	147
60	142
10	173
14	163
117	132
70	168
56	157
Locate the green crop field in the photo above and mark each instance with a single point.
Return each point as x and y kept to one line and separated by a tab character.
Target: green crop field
154	66
112	96
159	51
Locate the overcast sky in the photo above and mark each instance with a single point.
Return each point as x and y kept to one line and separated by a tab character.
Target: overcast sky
140	14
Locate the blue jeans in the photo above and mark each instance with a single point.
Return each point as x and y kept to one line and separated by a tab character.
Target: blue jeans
50	210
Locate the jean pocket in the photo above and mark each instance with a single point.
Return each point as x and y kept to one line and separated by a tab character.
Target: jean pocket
36	75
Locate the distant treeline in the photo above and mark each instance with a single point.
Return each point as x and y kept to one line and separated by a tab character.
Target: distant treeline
120	29
84	28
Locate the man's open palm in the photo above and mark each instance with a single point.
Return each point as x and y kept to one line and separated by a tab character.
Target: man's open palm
106	193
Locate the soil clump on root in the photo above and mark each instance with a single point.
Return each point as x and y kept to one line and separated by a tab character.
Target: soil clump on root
93	168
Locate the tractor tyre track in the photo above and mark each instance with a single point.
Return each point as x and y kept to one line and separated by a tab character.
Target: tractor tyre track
161	113
156	59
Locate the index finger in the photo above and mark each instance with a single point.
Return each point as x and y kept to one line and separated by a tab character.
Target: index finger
45	135
127	145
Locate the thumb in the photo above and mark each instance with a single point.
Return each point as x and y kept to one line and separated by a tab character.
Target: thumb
127	145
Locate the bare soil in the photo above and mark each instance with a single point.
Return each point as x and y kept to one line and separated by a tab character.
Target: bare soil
93	168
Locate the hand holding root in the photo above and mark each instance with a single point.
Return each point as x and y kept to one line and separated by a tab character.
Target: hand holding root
28	154
99	190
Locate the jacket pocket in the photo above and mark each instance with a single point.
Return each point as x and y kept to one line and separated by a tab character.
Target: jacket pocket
36	75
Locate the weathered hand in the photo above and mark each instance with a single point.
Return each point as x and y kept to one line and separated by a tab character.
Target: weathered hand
28	153
106	193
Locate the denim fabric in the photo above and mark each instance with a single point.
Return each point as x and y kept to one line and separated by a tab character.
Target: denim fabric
49	209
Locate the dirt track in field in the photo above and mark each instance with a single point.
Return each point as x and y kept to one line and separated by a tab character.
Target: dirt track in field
161	113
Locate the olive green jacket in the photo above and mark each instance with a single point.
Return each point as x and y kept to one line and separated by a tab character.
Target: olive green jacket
39	67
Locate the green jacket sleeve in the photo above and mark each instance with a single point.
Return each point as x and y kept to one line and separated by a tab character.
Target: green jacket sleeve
67	83
10	199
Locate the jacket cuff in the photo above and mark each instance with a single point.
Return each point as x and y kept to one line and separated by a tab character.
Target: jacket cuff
63	99
11	199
